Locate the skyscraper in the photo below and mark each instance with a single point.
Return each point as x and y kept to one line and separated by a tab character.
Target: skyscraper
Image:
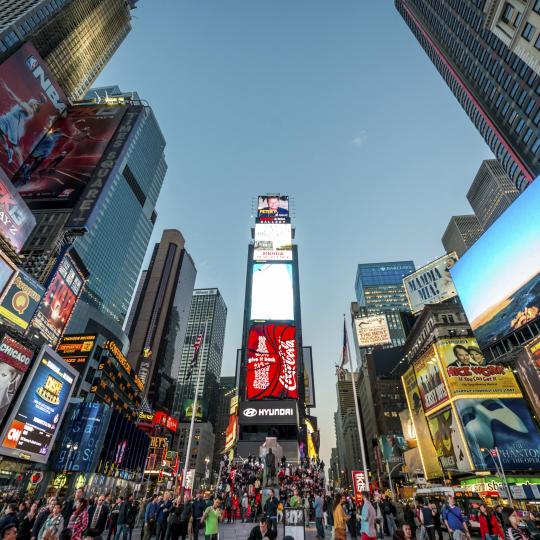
461	233
379	291
496	88
226	391
207	308
160	319
491	192
75	37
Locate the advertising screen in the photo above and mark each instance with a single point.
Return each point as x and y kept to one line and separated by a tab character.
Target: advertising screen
271	363
428	454
503	295
372	331
30	101
38	412
431	284
273	242
273	209
7	272
467	372
16	219
15	360
527	365
309	387
505	423
268	412
430	381
76	349
187	411
359	485
61	165
449	444
54	311
392	447
272	295
230	433
21	300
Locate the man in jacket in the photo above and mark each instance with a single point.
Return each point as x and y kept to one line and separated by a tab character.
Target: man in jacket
318	505
98	514
368	517
122	523
262	531
270	509
199	506
150	513
164	508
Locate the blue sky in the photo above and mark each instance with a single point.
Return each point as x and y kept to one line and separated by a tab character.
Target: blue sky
333	103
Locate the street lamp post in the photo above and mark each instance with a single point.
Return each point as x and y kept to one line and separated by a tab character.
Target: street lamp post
389	472
500	470
206	461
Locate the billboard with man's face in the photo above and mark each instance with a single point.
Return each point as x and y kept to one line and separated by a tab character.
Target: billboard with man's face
502	296
61	165
273	209
30	101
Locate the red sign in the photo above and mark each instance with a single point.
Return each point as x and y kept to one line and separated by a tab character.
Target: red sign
163	419
359	485
272	362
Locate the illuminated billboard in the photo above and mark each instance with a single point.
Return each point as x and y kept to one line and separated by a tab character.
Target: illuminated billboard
56	306
272	295
428	453
467	372
372	331
21	300
503	295
504	423
7	272
30	101
527	365
273	209
60	166
17	221
430	380
446	436
187	411
271	363
392	447
273	242
309	387
32	427
76	349
431	284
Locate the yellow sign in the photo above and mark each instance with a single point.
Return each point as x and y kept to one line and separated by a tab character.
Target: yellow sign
433	391
122	360
159	442
234	405
468	374
428	454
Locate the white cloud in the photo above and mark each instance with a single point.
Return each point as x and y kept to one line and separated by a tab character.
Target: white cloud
360	139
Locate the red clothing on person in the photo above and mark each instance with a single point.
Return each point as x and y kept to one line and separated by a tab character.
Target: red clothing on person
484	528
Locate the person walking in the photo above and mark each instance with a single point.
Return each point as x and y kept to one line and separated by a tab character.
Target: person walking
122	521
437	521
150	514
340	518
512	530
98	515
427	521
454	520
211	518
368	516
271	510
490	528
199	506
78	522
244	507
113	519
389	514
164	507
408	517
318	505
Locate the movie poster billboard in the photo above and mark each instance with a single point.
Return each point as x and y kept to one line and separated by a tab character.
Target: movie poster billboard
467	372
271	363
505	423
372	331
448	442
392	446
61	165
502	296
30	101
15	361
272	297
428	454
273	242
21	300
16	219
433	391
431	284
527	365
33	424
273	209
56	306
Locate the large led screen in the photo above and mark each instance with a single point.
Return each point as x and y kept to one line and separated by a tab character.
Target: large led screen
273	209
38	412
433	391
60	167
273	242
271	363
7	272
56	306
505	423
498	278
30	101
272	295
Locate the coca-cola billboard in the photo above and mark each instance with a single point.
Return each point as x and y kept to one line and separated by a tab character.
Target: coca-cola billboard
271	363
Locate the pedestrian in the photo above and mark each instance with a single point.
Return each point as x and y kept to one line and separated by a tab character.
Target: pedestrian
199	506
389	513
512	529
113	519
368	516
295	501
318	505
69	504
340	518
427	521
53	524
454	520
211	518
24	531
150	513
262	531
42	516
98	514
244	507
78	522
133	512
490	528
408	517
122	520
174	520
437	521
10	517
8	532
162	516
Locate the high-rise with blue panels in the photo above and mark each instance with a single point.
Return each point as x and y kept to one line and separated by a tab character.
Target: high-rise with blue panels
379	290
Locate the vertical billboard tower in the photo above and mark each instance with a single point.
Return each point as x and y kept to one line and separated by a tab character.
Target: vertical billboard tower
270	370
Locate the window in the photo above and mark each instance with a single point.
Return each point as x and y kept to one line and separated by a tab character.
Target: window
507	13
517	19
536	6
528	31
537	42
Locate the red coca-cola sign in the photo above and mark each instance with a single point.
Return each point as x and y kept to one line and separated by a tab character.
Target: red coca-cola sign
271	363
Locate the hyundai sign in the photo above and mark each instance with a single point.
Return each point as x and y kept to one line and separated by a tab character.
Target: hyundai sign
283	411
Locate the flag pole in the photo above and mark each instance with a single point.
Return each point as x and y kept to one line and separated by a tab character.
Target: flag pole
357	409
193	414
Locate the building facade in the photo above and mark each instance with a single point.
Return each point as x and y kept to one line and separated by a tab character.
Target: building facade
495	87
160	319
207	308
461	233
202	448
491	192
75	37
227	390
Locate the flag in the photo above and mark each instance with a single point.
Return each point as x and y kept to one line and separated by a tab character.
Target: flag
345	354
494	452
195	357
